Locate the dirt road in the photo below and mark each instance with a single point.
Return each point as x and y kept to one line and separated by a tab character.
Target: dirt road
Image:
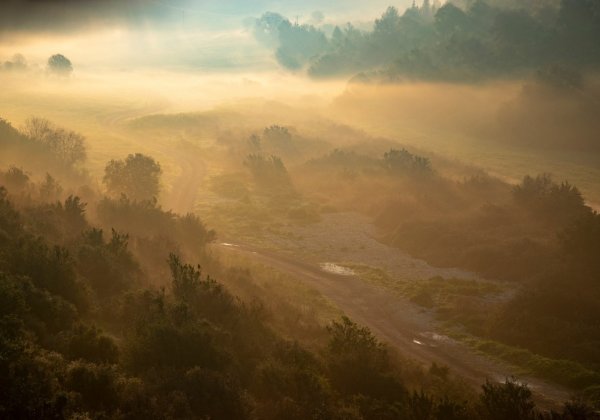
399	323
181	198
183	191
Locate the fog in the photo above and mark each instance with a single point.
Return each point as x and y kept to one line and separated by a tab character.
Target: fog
169	34
299	209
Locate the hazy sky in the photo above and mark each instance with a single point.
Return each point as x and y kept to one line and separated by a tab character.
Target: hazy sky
67	15
205	34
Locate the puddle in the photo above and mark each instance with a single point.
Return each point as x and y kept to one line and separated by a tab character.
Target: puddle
435	337
337	269
431	339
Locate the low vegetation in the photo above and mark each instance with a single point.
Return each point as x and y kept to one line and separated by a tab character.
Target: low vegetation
91	325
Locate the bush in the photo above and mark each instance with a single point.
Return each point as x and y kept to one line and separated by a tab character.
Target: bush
137	177
91	345
510	400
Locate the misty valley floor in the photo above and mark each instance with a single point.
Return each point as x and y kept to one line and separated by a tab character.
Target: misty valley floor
349	240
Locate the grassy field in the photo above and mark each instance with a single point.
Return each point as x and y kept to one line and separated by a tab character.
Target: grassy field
503	158
462	307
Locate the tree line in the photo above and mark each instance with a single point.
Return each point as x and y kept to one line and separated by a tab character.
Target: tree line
459	41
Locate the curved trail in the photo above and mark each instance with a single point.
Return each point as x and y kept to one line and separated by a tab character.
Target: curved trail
184	189
395	321
400	324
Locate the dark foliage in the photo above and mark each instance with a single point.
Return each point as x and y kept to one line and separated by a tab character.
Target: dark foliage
137	177
192	351
466	40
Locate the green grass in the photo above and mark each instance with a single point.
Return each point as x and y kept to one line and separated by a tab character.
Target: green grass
461	303
563	372
432	293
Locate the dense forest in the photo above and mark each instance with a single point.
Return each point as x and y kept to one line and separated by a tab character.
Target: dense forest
549	47
460	41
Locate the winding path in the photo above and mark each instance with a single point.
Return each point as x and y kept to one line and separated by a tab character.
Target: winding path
400	324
